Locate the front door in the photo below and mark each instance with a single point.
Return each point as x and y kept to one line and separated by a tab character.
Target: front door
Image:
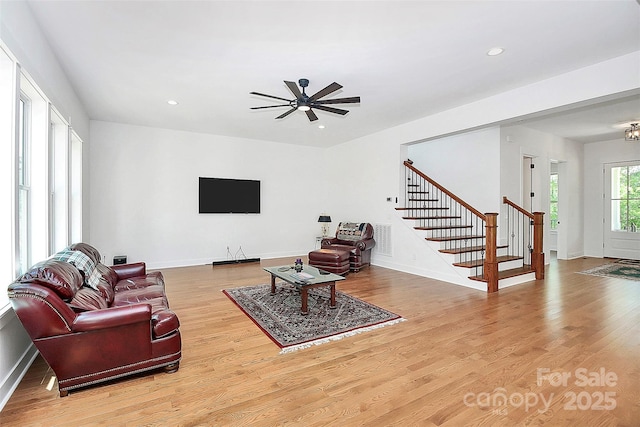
622	210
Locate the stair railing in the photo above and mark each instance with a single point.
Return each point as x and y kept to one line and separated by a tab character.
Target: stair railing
461	229
524	232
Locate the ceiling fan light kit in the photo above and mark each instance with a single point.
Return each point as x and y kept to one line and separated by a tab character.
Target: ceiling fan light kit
632	133
306	103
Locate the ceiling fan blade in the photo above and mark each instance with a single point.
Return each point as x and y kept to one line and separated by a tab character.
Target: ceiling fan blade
331	109
271	106
294	89
311	115
283	115
269	96
351	100
326	91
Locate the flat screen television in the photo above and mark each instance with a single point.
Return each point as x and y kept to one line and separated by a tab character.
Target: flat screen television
222	195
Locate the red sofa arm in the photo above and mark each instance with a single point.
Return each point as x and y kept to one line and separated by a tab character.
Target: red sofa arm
366	244
327	241
111	317
126	271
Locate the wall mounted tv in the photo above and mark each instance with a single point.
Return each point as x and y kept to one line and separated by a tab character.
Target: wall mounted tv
221	195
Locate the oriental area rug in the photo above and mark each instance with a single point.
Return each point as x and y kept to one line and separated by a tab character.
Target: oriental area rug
621	269
279	315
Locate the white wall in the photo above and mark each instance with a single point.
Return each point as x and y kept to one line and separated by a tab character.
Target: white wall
519	141
144	196
463	164
596	155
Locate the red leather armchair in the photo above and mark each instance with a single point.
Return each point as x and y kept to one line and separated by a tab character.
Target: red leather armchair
357	238
87	337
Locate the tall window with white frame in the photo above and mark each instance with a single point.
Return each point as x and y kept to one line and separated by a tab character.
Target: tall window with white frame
75	214
625	198
23	255
8	119
59	183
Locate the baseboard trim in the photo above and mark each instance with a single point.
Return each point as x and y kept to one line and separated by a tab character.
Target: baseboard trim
16	374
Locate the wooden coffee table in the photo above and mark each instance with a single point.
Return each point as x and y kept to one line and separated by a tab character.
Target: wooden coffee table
309	277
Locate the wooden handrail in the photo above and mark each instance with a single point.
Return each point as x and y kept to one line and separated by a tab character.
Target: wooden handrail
447	192
537	253
516	207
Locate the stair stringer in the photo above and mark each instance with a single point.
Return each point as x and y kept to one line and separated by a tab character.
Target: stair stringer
444	271
450	273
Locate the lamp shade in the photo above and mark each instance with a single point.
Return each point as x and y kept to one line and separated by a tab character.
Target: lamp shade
324	218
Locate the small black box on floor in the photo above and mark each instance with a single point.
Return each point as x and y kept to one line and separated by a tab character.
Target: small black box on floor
119	259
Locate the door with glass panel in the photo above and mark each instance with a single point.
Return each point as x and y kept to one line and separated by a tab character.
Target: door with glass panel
622	210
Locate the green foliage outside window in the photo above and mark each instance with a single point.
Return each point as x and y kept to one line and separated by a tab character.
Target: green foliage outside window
625	198
553	201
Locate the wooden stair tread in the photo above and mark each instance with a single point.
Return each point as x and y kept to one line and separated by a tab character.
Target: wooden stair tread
469	249
514	272
430	217
444	227
448	238
423	209
480	262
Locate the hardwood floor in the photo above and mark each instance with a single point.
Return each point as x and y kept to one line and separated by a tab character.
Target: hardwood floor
457	354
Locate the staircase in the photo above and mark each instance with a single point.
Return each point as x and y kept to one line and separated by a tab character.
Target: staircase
468	238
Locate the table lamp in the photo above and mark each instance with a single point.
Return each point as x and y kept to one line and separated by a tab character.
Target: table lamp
324	220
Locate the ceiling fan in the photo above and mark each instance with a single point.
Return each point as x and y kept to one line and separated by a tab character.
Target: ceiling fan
306	103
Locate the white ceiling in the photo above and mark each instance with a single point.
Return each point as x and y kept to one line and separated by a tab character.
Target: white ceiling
405	59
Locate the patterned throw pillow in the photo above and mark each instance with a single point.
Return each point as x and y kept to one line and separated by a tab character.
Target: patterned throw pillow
350	231
83	263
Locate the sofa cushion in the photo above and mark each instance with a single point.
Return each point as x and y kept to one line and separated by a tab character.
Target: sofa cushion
83	263
153	278
88	250
88	299
107	274
134	296
108	279
62	278
350	231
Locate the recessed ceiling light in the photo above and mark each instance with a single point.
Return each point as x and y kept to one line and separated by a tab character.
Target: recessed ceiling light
172	102
495	51
320	126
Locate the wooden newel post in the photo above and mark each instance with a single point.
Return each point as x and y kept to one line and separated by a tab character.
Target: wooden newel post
491	258
537	257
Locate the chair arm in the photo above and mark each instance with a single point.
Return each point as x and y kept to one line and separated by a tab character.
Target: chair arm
126	271
327	241
366	244
112	317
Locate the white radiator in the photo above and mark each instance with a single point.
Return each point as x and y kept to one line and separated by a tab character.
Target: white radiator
382	236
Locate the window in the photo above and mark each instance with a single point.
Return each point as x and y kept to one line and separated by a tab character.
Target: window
553	201
59	182
75	218
24	190
41	175
33	213
7	171
625	198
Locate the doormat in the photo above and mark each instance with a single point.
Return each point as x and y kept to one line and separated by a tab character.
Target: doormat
279	315
621	269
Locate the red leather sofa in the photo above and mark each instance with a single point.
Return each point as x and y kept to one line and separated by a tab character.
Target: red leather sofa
95	325
357	239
